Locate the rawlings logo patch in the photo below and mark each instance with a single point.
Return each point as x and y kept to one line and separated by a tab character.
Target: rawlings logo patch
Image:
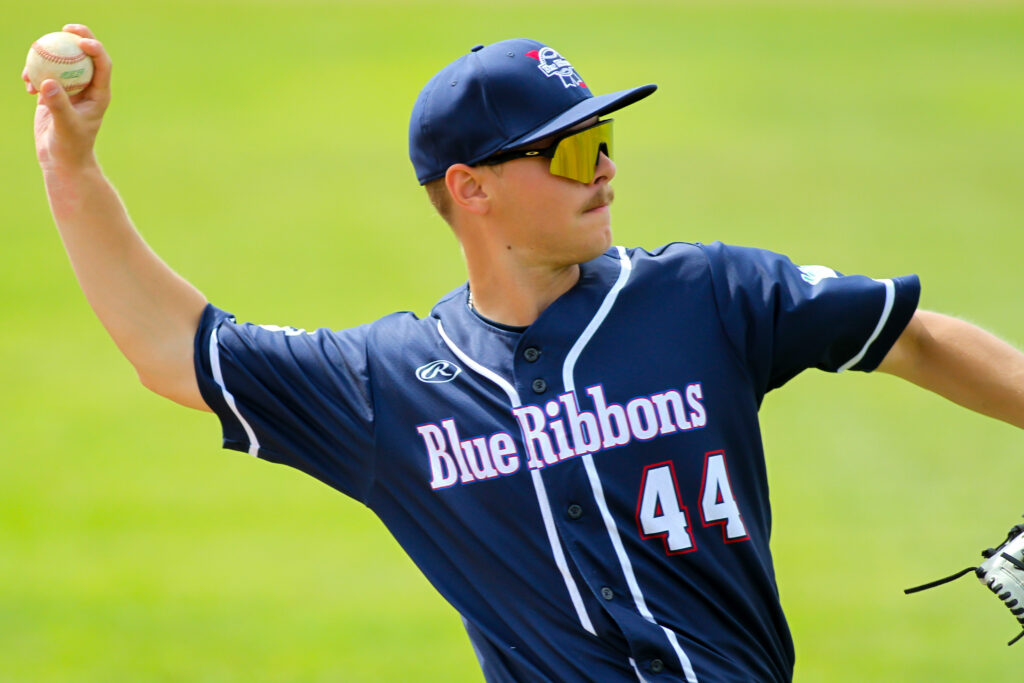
554	64
437	372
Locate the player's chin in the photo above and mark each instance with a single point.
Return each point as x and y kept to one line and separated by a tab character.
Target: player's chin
600	240
602	222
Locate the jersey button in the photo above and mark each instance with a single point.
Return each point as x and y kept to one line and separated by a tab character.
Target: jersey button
539	386
657	666
574	511
531	354
607	593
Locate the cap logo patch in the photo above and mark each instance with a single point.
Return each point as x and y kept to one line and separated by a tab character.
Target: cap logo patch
554	64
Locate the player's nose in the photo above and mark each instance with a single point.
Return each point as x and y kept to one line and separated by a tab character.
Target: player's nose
605	169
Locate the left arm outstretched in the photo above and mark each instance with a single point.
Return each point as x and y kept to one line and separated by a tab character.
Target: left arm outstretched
960	362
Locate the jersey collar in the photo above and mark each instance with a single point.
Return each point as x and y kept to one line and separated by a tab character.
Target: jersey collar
554	331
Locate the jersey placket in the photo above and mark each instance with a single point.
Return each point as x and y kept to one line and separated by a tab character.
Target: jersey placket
538	484
532	377
635	592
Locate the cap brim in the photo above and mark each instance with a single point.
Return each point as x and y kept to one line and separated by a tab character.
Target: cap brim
592	106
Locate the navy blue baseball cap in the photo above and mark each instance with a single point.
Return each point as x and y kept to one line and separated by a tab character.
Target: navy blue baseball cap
500	97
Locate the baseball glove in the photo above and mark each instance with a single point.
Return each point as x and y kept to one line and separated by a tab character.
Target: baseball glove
1002	572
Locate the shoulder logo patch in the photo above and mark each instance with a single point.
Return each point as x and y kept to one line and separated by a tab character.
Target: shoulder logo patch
812	275
288	331
438	371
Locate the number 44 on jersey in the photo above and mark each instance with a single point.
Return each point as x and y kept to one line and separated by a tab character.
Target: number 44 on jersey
660	512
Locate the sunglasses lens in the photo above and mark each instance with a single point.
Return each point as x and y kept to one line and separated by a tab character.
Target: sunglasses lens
576	156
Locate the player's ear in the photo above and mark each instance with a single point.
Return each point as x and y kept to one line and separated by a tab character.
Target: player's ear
467	188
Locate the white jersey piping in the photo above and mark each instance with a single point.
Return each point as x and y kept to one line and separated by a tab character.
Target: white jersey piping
568	368
636	670
218	377
538	487
890	299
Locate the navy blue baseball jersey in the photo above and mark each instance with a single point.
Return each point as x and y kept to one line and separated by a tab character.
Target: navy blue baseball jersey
588	492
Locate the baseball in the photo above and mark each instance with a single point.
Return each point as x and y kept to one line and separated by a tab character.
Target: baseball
58	56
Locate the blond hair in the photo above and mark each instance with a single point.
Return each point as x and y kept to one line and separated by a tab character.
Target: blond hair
439	196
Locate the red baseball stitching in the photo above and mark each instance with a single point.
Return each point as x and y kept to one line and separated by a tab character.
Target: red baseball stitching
46	54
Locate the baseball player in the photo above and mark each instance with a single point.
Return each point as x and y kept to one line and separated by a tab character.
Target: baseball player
567	445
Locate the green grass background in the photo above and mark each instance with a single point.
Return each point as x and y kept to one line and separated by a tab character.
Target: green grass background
261	149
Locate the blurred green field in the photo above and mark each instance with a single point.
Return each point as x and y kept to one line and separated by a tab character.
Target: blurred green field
261	149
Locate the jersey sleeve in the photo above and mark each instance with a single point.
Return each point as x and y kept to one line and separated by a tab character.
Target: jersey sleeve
783	318
292	397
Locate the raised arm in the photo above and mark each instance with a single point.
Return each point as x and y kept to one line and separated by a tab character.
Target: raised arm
149	310
962	363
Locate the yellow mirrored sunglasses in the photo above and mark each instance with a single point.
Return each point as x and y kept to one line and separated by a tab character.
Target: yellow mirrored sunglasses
573	155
